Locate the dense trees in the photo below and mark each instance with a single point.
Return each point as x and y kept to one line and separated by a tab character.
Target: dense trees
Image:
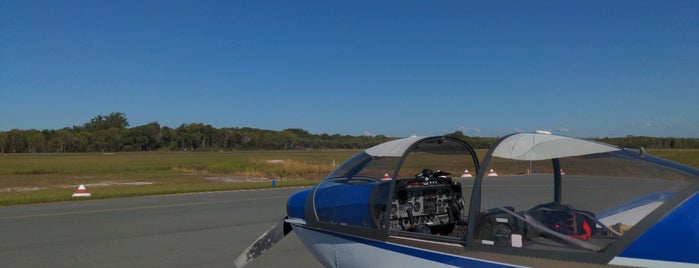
628	141
653	142
111	133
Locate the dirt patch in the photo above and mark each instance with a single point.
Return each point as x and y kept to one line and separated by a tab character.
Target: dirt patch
23	189
96	184
113	183
237	179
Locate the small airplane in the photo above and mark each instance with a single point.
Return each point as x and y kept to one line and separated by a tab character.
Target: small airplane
555	201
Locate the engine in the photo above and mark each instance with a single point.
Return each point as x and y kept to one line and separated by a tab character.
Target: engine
428	203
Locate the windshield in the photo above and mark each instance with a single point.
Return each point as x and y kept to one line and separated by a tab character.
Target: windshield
595	198
598	182
410	185
365	165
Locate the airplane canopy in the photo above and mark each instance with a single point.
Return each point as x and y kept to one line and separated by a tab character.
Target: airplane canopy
534	146
394	148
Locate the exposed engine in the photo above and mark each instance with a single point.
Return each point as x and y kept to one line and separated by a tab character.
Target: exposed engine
429	203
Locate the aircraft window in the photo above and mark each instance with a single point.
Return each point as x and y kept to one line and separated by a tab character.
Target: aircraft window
430	196
602	197
364	165
427	201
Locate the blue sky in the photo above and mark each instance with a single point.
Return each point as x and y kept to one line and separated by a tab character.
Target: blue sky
398	68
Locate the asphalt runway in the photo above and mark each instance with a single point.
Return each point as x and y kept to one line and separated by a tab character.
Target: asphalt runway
192	230
212	229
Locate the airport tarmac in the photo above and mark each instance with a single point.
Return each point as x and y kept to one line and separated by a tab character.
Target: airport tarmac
189	230
212	229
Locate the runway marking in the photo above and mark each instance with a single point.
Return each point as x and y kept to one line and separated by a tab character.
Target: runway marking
138	208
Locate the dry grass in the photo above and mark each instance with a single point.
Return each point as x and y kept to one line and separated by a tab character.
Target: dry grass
31	178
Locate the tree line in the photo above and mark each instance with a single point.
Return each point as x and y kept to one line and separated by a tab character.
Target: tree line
111	133
628	141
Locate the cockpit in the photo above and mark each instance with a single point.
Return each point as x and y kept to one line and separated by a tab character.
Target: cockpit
406	185
531	191
557	193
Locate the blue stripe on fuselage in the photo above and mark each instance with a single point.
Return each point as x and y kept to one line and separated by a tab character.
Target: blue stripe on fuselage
434	256
673	238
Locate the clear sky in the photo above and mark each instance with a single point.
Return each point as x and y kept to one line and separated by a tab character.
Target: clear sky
398	68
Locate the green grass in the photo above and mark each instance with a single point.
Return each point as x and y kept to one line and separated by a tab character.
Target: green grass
32	178
35	178
688	157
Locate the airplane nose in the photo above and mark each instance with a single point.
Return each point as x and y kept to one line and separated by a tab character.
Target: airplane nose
296	204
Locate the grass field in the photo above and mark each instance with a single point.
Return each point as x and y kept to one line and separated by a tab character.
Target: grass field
33	178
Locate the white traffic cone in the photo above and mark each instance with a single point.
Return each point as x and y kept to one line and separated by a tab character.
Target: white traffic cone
492	173
466	174
81	192
386	177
